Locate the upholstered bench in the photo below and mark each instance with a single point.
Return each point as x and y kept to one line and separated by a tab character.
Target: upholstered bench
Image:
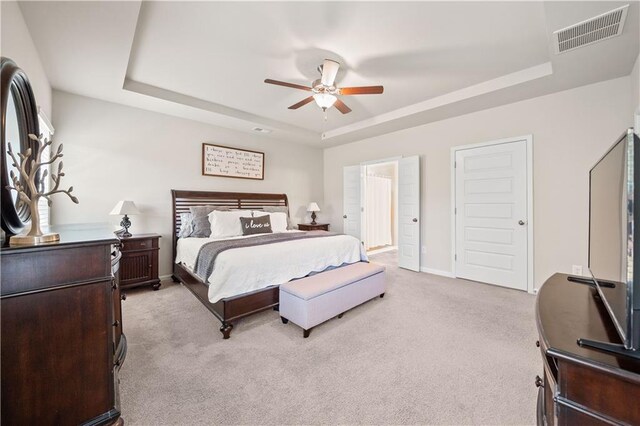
312	300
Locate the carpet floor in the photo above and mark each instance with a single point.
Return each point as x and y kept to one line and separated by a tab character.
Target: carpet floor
435	350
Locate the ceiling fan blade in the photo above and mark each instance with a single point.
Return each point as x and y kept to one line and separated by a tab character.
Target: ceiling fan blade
329	71
302	103
340	106
285	84
363	90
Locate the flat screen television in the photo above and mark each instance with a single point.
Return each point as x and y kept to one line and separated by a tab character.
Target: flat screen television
614	239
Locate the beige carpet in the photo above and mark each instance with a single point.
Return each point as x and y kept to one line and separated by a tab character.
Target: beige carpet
433	351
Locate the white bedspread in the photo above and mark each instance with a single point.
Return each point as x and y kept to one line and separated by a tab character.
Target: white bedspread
245	269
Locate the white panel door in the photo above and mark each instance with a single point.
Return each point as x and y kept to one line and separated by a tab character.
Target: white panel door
351	201
409	213
491	214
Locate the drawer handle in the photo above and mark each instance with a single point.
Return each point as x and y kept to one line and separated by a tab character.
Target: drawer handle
539	382
116	323
123	296
537	343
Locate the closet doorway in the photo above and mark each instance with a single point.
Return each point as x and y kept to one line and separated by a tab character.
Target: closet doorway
380	207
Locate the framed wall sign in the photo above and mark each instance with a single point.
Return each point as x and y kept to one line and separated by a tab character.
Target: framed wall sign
218	160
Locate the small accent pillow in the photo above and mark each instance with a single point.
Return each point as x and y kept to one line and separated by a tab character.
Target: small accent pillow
186	225
201	225
256	225
279	209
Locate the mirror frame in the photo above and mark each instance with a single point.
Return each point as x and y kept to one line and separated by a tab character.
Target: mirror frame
14	82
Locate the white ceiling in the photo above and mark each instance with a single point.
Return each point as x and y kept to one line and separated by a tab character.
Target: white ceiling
207	60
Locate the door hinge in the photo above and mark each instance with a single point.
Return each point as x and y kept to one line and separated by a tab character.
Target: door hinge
455	210
455	164
455	257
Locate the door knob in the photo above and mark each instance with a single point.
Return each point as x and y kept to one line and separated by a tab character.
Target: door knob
344	217
521	222
414	219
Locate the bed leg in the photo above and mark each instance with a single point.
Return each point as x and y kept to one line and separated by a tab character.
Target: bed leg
174	279
305	333
276	308
225	329
340	315
284	320
382	295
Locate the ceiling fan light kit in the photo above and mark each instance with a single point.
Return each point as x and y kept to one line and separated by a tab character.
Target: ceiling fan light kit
324	100
324	90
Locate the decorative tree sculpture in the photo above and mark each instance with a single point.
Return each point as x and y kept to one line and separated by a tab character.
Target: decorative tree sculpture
35	187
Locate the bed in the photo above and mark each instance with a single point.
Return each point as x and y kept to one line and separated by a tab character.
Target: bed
235	300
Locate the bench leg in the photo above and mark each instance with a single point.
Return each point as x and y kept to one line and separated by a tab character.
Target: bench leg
305	333
382	295
340	315
284	320
225	329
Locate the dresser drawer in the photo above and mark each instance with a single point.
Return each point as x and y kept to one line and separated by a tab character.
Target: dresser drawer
139	244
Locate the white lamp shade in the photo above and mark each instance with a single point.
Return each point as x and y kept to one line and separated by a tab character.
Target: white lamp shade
324	100
124	207
313	207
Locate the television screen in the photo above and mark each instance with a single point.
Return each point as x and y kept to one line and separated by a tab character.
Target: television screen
611	220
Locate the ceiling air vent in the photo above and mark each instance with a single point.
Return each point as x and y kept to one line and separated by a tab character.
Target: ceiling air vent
591	31
261	130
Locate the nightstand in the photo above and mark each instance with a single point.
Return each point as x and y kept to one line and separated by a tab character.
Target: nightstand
316	227
139	262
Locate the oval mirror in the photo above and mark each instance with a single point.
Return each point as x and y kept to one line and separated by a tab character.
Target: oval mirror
19	119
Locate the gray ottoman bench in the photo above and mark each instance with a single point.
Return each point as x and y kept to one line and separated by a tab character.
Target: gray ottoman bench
312	300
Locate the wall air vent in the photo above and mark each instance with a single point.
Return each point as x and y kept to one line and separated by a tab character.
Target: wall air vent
591	31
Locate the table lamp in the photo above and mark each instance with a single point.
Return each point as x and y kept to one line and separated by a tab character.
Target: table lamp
313	208
125	208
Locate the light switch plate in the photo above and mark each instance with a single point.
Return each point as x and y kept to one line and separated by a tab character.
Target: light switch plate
576	270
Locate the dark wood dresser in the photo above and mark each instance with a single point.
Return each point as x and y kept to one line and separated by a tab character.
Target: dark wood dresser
62	341
581	386
139	264
314	227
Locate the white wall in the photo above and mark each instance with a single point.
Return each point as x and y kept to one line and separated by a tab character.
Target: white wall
635	93
113	152
16	44
571	130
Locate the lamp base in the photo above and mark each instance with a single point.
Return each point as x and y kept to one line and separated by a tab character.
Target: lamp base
33	240
313	218
126	223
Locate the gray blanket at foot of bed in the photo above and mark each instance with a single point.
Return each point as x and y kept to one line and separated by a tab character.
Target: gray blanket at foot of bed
210	251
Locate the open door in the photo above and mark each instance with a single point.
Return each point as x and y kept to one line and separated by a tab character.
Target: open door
409	213
352	224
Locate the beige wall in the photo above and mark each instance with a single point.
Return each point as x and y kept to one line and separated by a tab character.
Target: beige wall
113	152
571	130
16	44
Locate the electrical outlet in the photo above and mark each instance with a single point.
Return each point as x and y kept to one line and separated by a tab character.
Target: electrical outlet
424	250
576	270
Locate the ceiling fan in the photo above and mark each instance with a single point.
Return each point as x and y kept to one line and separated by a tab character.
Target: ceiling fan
325	92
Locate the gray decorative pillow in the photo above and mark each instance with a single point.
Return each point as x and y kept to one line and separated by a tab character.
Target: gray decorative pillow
201	224
186	225
201	227
256	225
279	209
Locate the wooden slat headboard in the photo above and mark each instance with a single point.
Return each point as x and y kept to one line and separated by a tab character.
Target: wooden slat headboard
182	200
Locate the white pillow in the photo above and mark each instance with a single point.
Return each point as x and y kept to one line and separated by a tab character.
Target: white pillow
278	220
226	224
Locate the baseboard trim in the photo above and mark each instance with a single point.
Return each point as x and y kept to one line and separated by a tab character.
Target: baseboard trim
165	277
440	272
